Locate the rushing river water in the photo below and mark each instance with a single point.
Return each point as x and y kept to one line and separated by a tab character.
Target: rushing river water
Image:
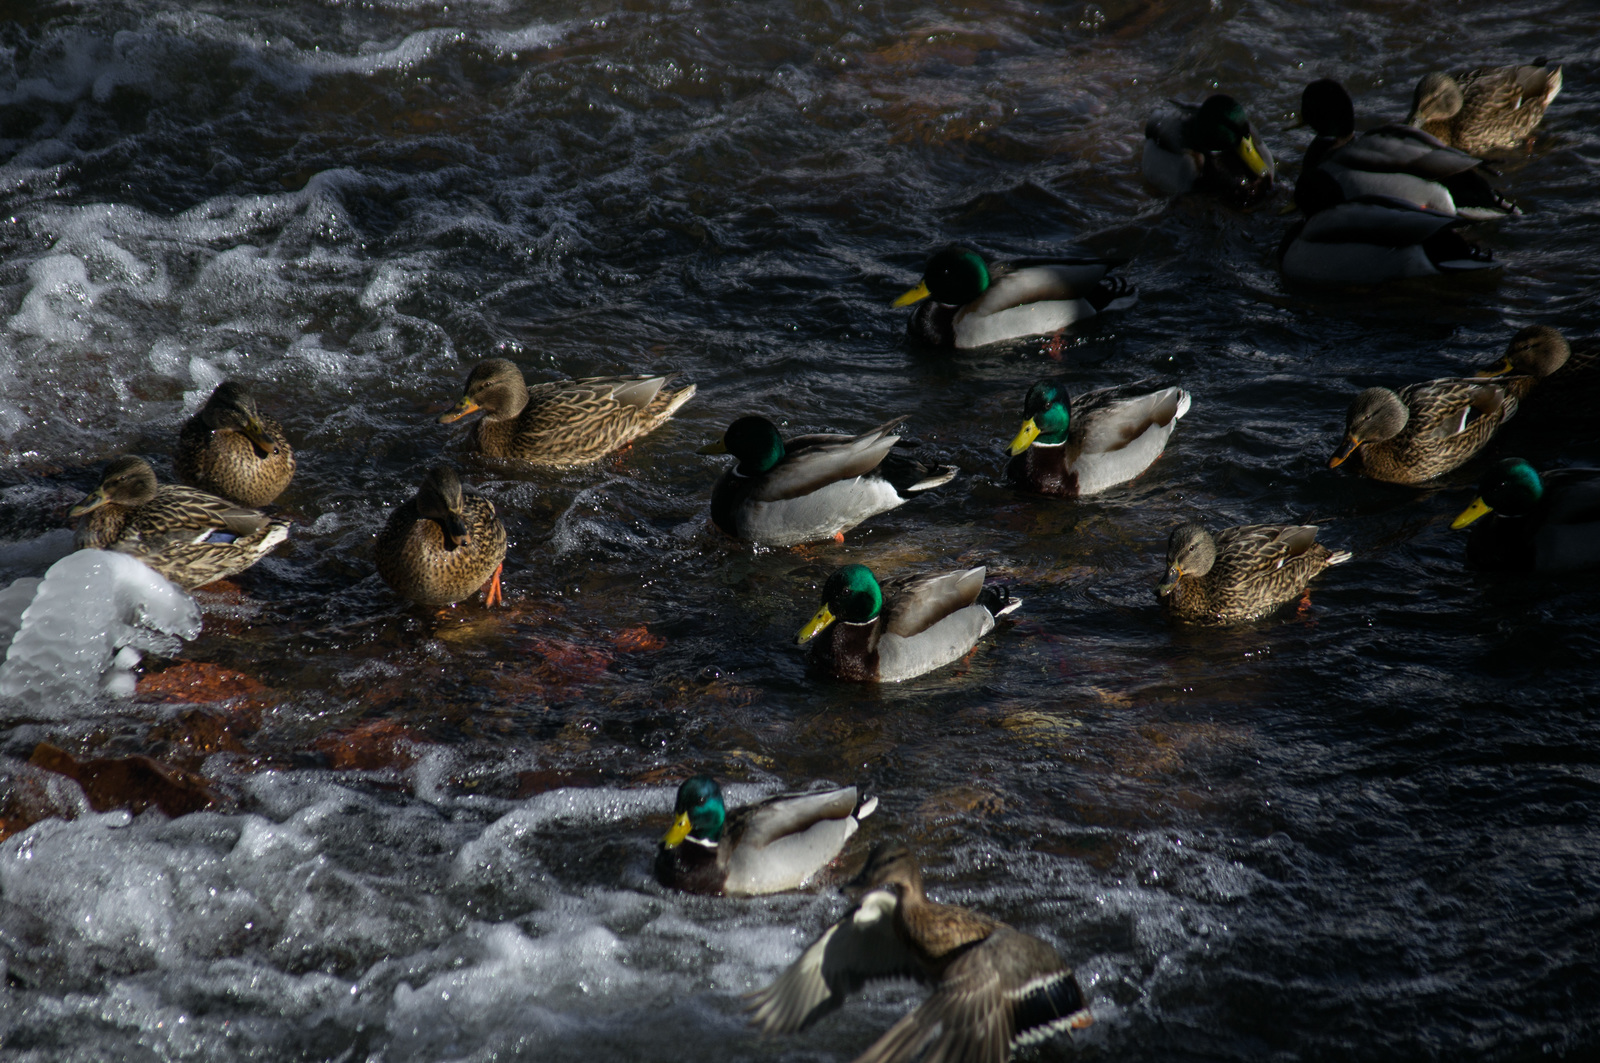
1361	829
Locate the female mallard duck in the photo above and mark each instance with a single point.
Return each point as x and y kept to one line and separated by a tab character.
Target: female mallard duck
1394	160
1423	431
1211	148
811	487
230	449
190	536
443	544
1548	523
1240	573
996	988
562	422
1071	447
769	847
885	632
1488	109
1534	353
1371	240
967	302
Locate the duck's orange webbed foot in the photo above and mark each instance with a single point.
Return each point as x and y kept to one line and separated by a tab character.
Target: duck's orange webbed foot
1305	603
838	537
491	590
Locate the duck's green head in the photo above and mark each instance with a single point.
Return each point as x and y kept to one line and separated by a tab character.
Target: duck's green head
699	812
956	276
1512	488
851	594
1221	125
1326	107
754	441
1049	411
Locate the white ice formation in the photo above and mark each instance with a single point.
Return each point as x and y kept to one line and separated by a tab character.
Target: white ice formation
82	629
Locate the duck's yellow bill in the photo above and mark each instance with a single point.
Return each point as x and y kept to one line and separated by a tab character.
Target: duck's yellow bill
678	831
1501	368
719	447
915	295
1345	451
1025	436
1478	508
1251	156
96	499
823	618
464	407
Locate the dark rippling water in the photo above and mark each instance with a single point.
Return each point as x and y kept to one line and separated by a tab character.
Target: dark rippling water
1358	830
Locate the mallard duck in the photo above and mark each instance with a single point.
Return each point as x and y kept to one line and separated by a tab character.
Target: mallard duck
442	544
1211	148
1240	573
230	449
1396	161
562	422
967	302
1492	108
1425	430
1536	523
1372	240
1071	447
996	989
192	537
884	632
1534	353
811	487
769	847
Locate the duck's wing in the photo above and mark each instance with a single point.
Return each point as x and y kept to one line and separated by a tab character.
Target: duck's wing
1404	149
186	513
812	462
857	949
786	814
1375	220
1503	89
912	604
1039	281
1009	991
1574	496
1253	549
1446	408
1111	418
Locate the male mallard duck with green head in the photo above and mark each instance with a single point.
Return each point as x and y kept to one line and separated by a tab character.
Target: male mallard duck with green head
996	989
966	302
562	422
886	631
1425	430
230	449
1240	573
1393	161
775	845
442	544
1487	109
1533	354
1527	522
1212	147
812	487
1071	447
192	537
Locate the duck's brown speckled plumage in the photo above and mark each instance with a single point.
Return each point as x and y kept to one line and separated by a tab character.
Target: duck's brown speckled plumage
1533	354
171	527
420	559
216	451
562	422
996	988
1240	573
1485	110
1425	430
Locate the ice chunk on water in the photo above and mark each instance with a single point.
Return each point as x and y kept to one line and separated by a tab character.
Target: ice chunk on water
83	627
